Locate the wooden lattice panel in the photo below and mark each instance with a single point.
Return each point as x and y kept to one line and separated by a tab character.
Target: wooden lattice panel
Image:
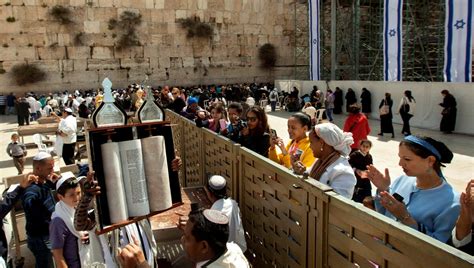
359	236
193	153
220	159
178	140
275	212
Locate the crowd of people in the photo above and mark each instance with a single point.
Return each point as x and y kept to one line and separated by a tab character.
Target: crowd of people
339	158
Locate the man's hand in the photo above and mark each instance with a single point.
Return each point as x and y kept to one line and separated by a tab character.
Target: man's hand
131	255
176	163
90	186
28	179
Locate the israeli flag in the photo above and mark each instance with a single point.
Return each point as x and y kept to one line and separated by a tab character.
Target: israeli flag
314	45
458	41
392	40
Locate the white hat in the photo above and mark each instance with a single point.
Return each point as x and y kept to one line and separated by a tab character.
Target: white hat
63	178
68	110
335	137
215	216
41	155
217	182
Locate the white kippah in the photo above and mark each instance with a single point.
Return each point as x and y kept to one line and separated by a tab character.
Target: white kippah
215	216
217	182
68	110
63	178
41	156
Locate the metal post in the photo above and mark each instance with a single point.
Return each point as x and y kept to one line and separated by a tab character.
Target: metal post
333	40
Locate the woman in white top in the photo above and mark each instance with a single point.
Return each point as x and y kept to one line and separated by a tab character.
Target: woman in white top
406	108
331	146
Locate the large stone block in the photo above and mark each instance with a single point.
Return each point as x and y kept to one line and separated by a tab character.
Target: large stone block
5	12
67	65
159	4
164	62
202	4
51	53
47	65
106	3
26	53
8	53
82	77
8	64
151	51
154	63
79	3
102	52
80	52
91	26
103	64
80	65
140	63
64	39
10	27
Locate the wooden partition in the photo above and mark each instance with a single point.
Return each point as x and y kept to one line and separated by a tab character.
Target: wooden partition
292	222
220	158
274	205
357	235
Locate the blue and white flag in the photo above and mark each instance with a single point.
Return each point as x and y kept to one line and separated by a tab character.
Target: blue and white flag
458	41
392	40
314	46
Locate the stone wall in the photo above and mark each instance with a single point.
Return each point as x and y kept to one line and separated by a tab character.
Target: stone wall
231	55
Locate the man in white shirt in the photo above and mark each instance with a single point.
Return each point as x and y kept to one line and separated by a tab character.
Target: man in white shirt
67	131
216	191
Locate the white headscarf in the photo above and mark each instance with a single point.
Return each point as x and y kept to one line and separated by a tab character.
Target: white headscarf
335	137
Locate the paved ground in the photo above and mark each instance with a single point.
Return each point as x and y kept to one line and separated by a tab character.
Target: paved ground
385	149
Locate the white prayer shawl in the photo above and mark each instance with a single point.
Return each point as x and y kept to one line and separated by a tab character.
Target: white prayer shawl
230	208
232	258
314	45
459	28
89	254
392	40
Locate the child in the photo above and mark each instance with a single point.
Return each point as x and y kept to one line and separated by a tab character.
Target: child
235	123
359	161
70	247
17	151
218	120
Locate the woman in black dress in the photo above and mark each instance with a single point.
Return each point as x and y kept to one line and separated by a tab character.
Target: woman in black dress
366	102
338	101
386	125
448	122
350	98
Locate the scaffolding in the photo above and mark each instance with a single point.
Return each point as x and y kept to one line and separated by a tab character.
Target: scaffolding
301	40
357	27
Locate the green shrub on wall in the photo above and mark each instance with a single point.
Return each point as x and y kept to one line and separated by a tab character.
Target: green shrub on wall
27	74
126	26
196	28
61	14
267	55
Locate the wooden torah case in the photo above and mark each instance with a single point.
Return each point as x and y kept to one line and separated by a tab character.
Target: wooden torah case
97	137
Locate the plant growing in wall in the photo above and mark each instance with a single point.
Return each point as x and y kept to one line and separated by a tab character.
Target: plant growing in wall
196	28
61	14
79	39
267	55
11	19
27	74
126	27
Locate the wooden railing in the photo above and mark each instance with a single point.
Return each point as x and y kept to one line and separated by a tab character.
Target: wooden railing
292	222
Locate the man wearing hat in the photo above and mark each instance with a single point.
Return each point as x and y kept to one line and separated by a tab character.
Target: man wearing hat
38	203
216	191
67	131
204	241
190	111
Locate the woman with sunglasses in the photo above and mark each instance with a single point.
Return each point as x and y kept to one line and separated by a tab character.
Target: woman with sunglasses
298	148
421	198
255	134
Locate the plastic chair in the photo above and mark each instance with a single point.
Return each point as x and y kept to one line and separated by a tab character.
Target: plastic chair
319	116
38	140
263	103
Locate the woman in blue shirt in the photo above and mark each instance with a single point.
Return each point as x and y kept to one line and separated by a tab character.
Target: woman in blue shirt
421	199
